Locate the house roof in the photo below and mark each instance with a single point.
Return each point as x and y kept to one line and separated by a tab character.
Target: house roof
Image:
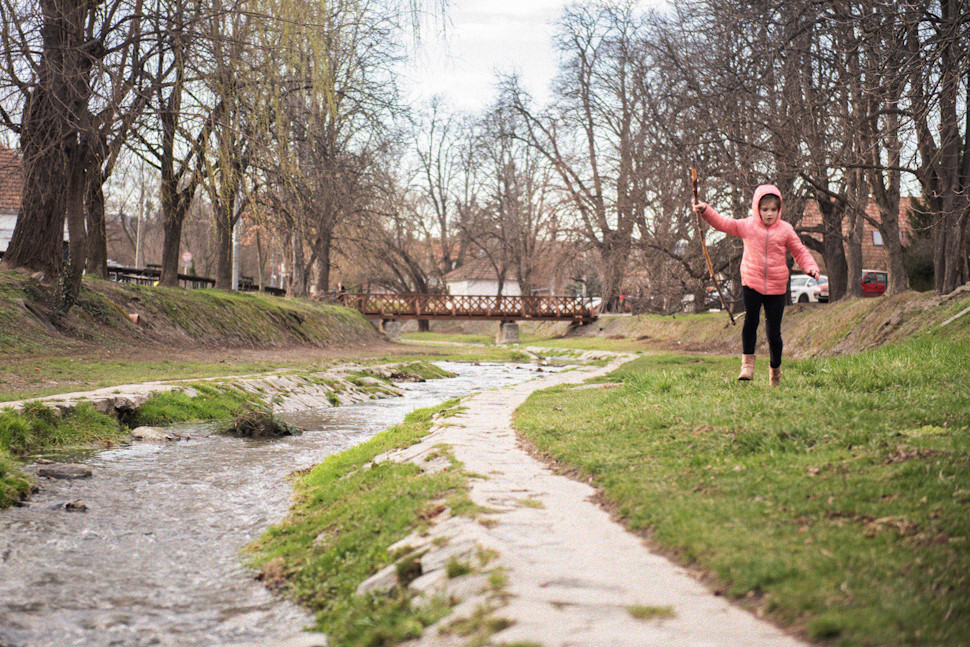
478	269
813	217
11	180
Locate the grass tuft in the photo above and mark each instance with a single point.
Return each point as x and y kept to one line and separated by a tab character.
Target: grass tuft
348	511
212	402
642	612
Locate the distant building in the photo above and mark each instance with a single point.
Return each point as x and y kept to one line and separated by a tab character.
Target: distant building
479	277
11	184
11	187
873	249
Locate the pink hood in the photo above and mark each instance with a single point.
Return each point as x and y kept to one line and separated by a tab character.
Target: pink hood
763	264
762	191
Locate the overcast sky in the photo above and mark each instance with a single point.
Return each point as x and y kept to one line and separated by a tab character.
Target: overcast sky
482	37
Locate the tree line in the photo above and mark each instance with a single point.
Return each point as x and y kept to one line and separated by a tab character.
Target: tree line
286	115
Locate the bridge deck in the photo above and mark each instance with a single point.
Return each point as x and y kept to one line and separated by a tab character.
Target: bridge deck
482	307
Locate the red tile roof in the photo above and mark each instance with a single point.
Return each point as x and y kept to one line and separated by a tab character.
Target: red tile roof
11	180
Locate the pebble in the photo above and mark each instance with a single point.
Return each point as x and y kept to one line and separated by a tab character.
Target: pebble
64	471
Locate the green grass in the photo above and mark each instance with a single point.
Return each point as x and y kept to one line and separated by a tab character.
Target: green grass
14	486
487	340
641	612
839	503
464	354
349	510
423	369
32	378
212	402
38	428
589	343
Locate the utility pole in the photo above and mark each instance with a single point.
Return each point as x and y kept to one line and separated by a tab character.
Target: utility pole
141	216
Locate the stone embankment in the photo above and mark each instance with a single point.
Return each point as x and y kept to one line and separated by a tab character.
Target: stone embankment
542	563
285	391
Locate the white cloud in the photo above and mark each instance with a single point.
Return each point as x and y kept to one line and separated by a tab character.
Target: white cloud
484	37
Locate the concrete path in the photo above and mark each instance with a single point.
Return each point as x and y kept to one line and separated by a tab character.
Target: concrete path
573	573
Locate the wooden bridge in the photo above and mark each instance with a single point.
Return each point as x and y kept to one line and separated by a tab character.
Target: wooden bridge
391	307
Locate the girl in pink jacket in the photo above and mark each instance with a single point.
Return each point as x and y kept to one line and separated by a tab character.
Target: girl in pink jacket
764	270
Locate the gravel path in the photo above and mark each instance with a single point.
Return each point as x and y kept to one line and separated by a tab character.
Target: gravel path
572	572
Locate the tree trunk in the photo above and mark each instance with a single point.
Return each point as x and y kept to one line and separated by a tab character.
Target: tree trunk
297	278
614	255
78	248
854	256
49	132
955	273
39	234
97	262
321	265
171	242
832	250
223	250
260	261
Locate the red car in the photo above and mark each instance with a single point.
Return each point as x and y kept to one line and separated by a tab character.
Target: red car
822	289
873	283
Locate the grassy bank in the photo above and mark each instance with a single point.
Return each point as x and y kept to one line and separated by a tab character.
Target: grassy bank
348	511
39	428
810	330
167	317
837	504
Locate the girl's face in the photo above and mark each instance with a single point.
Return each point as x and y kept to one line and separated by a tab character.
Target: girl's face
768	210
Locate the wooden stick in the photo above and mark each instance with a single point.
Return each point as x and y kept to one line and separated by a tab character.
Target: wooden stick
707	255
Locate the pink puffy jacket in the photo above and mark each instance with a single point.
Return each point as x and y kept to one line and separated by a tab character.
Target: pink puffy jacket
763	265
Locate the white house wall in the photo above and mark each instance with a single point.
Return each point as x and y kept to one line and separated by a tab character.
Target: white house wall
483	286
7	223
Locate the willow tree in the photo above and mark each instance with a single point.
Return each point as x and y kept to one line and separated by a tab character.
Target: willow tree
330	101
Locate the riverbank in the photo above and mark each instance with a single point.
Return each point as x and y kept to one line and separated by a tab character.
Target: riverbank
106	417
153	557
810	330
835	506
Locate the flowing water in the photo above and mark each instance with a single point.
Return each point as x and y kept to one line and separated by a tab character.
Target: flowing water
154	560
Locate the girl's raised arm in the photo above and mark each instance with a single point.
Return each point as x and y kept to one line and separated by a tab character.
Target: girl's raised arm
716	220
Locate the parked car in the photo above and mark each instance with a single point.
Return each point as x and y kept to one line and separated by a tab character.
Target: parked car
803	289
822	289
713	301
874	283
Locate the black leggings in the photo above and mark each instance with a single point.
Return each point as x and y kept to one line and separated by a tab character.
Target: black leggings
774	309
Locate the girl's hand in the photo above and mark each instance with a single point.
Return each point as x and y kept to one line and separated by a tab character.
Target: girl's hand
699	207
815	274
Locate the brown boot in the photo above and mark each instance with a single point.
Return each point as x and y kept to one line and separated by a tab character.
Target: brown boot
775	376
747	367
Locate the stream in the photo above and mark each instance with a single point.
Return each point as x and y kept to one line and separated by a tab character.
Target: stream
155	559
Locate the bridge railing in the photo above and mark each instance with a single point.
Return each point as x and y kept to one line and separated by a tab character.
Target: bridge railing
446	306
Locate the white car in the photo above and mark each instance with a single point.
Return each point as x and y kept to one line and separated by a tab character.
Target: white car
803	289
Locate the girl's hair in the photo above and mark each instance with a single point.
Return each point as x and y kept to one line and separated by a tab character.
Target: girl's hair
770	197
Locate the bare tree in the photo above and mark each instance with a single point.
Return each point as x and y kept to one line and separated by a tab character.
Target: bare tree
519	226
54	87
938	45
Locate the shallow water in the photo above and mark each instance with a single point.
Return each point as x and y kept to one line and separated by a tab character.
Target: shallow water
155	558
